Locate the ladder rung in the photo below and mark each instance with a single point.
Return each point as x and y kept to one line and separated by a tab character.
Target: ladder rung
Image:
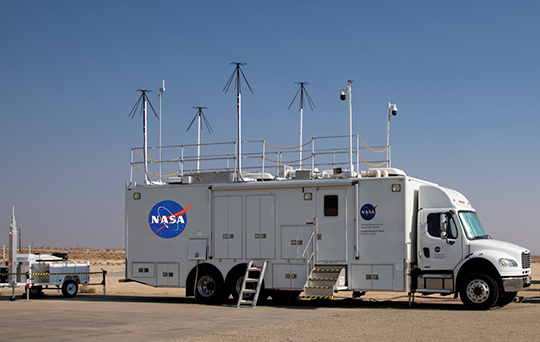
255	292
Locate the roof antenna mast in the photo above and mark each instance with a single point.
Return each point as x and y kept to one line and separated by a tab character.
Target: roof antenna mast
235	77
198	116
145	101
303	96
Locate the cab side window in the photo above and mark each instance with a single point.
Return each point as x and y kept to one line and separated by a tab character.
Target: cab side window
434	226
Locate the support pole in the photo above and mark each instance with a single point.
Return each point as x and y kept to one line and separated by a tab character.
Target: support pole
300	144
351	168
388	140
161	90
198	142
239	146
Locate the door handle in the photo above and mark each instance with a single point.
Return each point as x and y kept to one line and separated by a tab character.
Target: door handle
426	252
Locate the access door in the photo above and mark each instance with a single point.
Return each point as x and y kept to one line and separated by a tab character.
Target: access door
260	226
331	224
227	222
436	253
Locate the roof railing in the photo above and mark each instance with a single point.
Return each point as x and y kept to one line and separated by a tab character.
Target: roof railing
257	156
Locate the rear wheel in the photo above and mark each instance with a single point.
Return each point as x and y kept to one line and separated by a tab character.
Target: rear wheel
209	286
70	288
479	291
235	286
235	283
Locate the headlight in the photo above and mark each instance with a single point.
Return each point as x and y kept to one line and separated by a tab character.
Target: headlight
505	262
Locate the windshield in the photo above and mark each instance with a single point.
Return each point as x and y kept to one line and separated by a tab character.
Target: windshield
472	225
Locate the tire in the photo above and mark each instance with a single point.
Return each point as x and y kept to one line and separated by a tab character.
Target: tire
235	286
506	298
70	288
479	291
36	291
209	286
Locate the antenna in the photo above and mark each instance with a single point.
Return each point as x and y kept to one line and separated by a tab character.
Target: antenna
161	90
235	76
13	250
303	94
198	116
144	99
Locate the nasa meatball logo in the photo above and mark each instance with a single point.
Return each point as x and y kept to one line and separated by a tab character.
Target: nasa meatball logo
168	219
368	212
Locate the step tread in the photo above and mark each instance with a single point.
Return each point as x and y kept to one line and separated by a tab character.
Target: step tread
327	270
315	297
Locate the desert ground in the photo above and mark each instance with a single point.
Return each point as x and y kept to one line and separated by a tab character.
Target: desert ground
112	260
135	312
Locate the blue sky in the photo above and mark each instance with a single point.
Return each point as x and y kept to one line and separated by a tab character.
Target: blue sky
464	75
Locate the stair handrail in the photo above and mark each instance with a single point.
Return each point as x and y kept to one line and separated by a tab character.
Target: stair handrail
311	258
309	242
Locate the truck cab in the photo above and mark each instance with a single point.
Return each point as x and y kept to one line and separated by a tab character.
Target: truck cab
456	255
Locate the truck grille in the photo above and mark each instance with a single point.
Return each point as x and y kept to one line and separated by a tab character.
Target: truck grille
526	260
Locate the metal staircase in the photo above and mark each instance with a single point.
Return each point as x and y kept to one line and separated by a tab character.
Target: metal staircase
322	282
251	286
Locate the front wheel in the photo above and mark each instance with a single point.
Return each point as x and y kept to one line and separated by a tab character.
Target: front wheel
70	288
479	291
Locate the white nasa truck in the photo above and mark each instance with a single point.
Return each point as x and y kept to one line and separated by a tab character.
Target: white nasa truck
376	231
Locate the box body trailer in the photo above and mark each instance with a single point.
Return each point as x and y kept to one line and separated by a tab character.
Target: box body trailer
380	230
37	275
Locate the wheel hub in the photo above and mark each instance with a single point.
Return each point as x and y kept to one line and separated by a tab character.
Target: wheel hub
478	291
206	286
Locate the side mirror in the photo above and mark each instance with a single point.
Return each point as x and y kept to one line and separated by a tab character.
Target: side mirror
444	236
444	223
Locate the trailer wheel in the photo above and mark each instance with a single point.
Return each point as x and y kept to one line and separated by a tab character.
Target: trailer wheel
70	288
209	286
506	298
479	291
36	291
